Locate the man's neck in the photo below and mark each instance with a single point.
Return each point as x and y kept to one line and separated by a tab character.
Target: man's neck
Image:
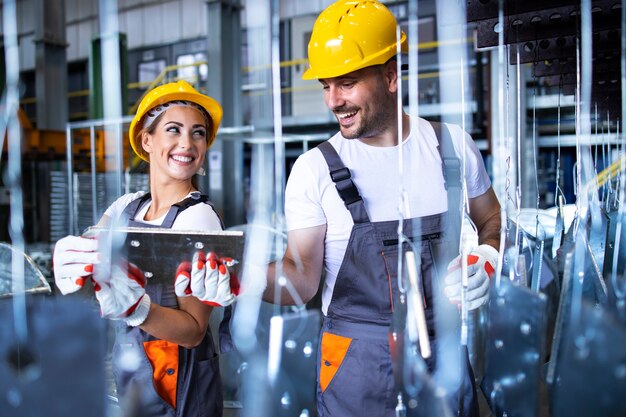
389	137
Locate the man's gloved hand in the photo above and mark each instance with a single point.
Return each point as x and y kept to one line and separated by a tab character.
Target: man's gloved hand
208	279
481	266
73	261
123	296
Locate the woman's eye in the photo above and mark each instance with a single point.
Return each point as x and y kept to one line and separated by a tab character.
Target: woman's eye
199	132
173	129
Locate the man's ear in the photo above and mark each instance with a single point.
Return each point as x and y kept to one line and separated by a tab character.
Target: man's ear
391	75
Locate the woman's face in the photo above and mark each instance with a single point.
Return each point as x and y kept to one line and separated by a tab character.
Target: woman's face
178	144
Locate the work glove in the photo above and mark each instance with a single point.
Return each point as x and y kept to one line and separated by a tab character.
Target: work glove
73	261
123	296
481	266
208	279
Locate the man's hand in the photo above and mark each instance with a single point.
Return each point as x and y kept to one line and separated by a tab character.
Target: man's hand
124	297
208	279
73	261
481	266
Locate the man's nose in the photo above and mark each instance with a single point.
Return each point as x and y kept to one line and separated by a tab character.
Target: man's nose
334	97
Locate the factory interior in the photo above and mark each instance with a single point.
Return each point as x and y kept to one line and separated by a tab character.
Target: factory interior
538	85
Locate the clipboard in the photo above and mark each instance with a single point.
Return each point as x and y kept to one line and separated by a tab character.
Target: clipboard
157	252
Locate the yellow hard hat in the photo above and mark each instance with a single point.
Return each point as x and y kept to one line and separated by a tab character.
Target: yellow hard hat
178	91
350	35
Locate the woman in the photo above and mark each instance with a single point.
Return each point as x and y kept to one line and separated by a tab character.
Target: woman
164	354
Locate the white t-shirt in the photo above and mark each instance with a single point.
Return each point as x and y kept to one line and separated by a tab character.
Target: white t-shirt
196	217
311	198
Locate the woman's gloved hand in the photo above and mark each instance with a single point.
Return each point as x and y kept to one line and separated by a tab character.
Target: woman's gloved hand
208	279
481	266
73	261
123	296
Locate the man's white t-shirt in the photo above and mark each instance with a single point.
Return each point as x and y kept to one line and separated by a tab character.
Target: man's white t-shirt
311	198
196	217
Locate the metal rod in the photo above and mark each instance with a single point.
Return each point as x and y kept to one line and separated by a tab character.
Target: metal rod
14	168
416	298
94	201
502	141
279	145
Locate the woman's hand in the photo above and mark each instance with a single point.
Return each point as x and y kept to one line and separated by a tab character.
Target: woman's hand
73	261
208	279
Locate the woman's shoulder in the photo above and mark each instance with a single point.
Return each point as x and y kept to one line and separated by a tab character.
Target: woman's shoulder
126	199
115	209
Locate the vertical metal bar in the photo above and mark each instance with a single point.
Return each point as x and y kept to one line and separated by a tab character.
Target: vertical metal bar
111	93
94	191
119	156
14	168
400	137
621	196
502	142
279	144
70	178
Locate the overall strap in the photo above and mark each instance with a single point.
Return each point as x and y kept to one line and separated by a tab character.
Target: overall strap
177	208
131	210
346	188
452	176
451	164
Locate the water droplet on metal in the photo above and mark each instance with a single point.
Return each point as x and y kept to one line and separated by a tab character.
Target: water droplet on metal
308	349
285	400
290	345
525	328
14	397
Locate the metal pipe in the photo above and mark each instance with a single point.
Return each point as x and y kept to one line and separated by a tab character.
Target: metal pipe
14	171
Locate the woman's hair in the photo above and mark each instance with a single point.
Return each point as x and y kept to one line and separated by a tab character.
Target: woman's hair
152	126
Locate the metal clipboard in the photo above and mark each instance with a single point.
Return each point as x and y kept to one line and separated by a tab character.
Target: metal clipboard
158	252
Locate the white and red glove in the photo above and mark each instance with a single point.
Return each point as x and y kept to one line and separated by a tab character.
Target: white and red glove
208	279
123	296
73	261
481	266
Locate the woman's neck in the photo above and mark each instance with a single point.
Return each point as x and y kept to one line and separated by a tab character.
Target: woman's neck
164	194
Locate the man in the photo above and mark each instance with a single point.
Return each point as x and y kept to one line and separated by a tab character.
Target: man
344	222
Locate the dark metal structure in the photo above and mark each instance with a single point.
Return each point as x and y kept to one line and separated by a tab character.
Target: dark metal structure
546	35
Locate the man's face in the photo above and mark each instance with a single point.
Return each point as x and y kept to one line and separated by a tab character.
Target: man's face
363	101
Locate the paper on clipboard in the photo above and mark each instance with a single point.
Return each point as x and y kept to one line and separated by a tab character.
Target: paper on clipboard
158	252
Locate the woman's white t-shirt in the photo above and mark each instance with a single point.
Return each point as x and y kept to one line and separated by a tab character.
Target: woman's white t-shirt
196	217
311	198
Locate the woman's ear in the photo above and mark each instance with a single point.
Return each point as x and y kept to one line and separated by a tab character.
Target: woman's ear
146	142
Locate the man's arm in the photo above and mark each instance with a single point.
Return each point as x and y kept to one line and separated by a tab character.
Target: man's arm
484	211
302	266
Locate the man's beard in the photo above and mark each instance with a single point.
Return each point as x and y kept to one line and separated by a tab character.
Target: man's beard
374	125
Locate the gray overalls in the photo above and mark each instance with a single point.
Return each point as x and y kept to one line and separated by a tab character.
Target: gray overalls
355	370
170	380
